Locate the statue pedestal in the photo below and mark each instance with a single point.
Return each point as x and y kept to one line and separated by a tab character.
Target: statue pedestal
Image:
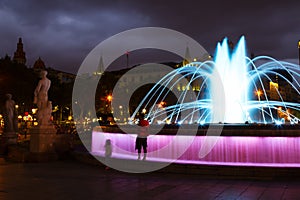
42	140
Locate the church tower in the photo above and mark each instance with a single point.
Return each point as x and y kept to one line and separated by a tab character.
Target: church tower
187	57
100	69
19	55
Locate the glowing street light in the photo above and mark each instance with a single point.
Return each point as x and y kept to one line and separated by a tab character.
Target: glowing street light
109	97
162	104
70	117
34	110
258	93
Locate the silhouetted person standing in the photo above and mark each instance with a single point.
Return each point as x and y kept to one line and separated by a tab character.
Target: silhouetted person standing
108	153
141	139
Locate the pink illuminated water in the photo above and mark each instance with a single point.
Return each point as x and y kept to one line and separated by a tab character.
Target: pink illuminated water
278	151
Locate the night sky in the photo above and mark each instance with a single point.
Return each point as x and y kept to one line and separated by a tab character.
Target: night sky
62	33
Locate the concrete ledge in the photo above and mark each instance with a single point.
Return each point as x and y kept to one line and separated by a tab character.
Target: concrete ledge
266	130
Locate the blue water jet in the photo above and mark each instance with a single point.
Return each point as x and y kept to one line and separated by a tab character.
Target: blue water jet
231	89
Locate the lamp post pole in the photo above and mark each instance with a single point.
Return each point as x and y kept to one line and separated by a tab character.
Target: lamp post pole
299	51
258	92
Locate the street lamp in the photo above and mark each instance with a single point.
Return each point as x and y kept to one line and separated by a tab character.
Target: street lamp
34	110
258	93
108	106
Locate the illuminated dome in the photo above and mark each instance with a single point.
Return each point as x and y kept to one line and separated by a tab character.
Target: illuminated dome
39	64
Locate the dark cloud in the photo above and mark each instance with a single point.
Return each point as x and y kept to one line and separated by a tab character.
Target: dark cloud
63	32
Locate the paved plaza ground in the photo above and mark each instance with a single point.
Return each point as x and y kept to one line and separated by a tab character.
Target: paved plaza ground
71	179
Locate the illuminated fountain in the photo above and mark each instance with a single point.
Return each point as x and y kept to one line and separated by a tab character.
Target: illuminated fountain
240	78
232	89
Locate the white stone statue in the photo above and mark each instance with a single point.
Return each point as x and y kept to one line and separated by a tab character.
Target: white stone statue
10	115
41	99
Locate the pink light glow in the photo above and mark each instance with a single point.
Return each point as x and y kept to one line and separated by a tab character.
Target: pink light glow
229	150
